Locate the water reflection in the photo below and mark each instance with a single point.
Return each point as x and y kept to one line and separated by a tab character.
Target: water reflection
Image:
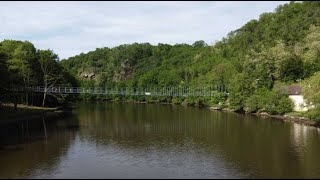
299	137
303	139
123	140
28	147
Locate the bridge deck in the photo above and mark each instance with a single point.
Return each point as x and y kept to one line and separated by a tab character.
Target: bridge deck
168	91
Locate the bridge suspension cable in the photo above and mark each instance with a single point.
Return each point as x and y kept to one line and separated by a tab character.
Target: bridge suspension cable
129	91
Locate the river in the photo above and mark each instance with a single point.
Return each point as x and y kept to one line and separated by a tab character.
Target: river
126	140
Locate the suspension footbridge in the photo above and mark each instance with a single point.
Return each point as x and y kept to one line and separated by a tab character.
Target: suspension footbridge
148	91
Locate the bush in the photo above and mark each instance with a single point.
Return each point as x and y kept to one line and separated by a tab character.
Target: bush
194	101
177	100
269	101
285	105
252	104
218	98
314	114
190	101
260	100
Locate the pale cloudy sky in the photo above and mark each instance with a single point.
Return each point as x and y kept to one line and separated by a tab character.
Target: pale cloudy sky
70	28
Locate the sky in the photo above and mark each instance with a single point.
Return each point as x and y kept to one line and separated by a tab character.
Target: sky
70	28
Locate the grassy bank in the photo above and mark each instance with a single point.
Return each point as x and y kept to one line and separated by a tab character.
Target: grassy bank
9	114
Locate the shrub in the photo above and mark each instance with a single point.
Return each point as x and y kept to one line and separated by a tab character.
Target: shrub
192	101
314	114
177	100
252	104
188	101
217	98
285	105
270	101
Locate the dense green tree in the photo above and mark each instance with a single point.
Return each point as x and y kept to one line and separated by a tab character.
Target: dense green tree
311	56
4	74
311	92
311	89
51	73
24	63
242	87
223	74
199	44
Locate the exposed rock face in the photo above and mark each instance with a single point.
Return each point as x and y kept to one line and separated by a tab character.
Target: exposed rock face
124	73
88	75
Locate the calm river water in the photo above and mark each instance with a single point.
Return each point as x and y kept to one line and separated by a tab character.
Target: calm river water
124	140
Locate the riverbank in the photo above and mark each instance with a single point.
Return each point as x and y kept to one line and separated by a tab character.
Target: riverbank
294	117
8	114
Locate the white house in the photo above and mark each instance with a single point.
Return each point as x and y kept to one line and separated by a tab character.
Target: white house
294	93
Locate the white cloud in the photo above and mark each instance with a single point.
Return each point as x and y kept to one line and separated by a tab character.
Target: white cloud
70	28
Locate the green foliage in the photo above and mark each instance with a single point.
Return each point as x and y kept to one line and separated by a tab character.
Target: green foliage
223	73
50	69
177	100
4	74
199	44
311	89
194	101
289	23
311	55
270	101
252	104
314	114
242	88
22	65
217	99
284	105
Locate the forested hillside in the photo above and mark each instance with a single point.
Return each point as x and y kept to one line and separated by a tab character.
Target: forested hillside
255	62
284	30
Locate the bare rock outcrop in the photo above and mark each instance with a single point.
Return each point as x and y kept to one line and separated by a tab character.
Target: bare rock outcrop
125	71
88	75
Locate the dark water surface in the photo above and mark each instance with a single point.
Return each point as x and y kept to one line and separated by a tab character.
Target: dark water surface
123	140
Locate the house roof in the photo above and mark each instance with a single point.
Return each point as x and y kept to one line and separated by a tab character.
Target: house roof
294	90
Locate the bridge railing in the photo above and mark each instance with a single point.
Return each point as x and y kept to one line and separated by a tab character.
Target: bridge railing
152	91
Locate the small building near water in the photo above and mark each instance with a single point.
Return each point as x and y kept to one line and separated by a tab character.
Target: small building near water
295	95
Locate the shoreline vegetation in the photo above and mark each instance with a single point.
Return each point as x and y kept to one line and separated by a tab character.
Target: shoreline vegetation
290	117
